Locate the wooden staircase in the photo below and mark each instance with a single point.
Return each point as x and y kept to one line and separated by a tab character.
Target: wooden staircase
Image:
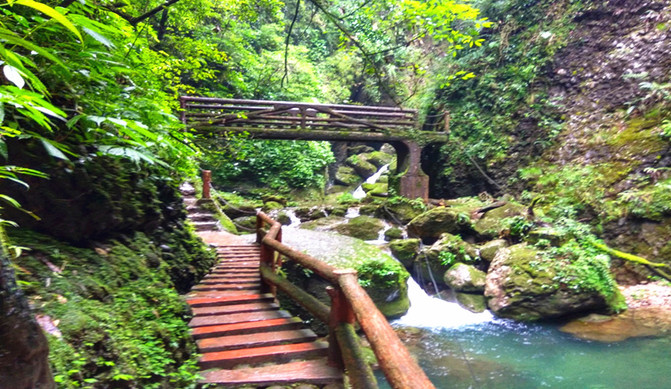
244	337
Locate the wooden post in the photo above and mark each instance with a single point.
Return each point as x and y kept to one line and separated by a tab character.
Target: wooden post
207	178
446	121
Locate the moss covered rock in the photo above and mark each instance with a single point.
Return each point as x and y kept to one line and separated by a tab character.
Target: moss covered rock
378	158
362	167
347	177
384	278
361	227
493	222
245	223
465	278
271	206
324	224
473	302
433	223
401	210
525	284
393	234
488	250
405	250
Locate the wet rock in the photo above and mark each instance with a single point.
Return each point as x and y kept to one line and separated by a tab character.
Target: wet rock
328	223
378	158
553	236
488	250
437	221
362	167
493	222
460	250
640	322
405	250
346	176
400	211
245	223
371	209
271	206
359	149
309	213
465	278
393	234
377	189
238	210
523	285
384	278
283	218
473	302
361	227
339	211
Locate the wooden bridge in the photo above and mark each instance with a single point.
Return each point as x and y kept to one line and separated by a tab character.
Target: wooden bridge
238	322
311	121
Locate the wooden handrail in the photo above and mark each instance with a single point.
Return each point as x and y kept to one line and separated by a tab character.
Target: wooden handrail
349	302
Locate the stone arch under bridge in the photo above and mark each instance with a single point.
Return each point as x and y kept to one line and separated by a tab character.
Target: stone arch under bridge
333	122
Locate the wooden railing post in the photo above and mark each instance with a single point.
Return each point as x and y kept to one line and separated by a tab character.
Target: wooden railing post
259	230
341	312
207	179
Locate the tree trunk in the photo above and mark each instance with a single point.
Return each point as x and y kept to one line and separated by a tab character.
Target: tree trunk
24	349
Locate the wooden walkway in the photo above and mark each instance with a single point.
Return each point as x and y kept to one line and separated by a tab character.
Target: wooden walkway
244	337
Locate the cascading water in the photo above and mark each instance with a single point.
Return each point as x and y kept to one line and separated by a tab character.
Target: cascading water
359	193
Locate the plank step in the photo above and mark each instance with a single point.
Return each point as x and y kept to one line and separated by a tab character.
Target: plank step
285	352
235	286
238	299
228	280
265	339
235	308
237	318
220	293
255	327
316	372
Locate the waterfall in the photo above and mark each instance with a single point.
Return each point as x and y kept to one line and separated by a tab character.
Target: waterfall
430	312
359	193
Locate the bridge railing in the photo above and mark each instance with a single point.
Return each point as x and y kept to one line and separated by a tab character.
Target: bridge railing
210	112
349	304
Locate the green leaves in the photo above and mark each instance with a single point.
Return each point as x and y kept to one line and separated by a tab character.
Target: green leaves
52	13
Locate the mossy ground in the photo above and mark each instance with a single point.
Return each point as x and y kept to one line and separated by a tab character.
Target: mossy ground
116	304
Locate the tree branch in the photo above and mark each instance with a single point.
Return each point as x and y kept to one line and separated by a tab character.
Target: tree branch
148	14
286	44
367	56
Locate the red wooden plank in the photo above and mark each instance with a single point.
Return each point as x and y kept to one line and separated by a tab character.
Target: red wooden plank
285	352
228	280
205	287
265	339
237	318
246	327
316	372
220	293
235	308
203	302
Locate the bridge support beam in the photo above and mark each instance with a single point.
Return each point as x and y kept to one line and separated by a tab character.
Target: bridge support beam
413	182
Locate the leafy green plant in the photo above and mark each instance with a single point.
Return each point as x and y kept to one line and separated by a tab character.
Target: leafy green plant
447	258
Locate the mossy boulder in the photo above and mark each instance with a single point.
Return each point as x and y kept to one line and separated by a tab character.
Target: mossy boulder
526	284
245	223
310	213
324	224
495	221
553	236
384	278
283	218
488	250
370	209
271	206
378	158
361	227
465	278
213	206
359	149
401	210
457	248
377	189
393	234
362	167
473	302
347	177
433	223
405	250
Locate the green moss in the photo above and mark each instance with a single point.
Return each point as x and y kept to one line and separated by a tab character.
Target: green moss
122	321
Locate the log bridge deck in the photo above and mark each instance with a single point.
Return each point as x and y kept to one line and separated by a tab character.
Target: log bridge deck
288	120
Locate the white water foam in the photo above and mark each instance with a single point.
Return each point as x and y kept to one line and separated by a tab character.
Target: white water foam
430	312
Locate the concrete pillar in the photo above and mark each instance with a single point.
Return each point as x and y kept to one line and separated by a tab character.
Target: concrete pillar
413	182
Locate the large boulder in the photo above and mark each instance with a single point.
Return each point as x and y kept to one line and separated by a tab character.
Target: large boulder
433	223
488	250
495	221
362	167
347	177
436	259
378	158
361	227
383	278
465	278
524	284
405	250
400	210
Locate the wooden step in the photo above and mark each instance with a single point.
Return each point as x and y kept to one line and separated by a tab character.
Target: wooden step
236	308
265	339
235	271
316	372
237	318
255	327
285	352
228	280
220	293
237	286
218	301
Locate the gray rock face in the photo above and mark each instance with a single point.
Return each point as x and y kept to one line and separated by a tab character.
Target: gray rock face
488	250
523	285
465	278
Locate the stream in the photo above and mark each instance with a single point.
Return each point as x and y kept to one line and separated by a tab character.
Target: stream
460	349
